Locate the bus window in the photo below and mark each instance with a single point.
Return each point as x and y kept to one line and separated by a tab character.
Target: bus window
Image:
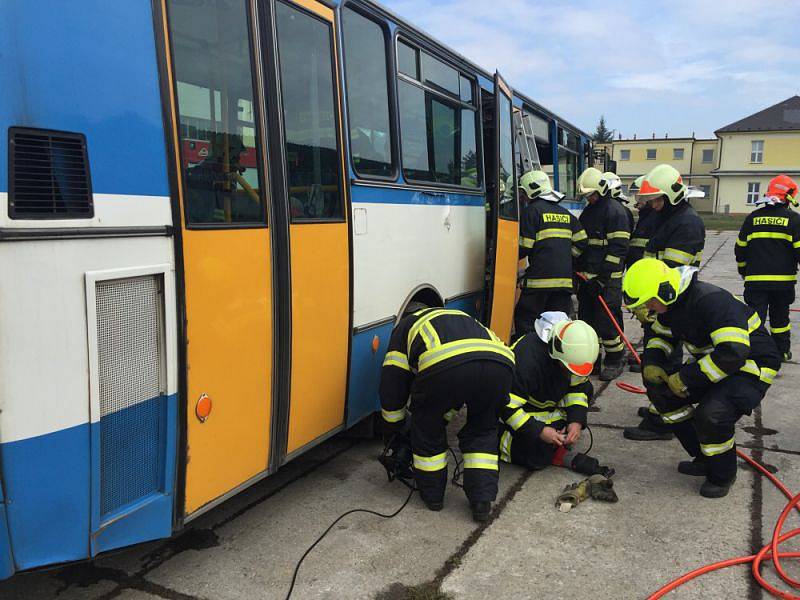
219	141
508	204
407	60
309	116
437	131
367	95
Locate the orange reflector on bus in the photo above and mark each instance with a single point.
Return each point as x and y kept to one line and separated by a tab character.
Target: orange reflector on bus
376	343
203	408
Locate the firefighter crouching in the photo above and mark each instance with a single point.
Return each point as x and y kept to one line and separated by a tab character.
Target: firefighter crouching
437	361
735	363
550	236
549	400
602	263
767	252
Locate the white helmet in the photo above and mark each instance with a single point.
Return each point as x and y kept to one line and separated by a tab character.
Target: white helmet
615	186
592	180
536	184
573	343
664	180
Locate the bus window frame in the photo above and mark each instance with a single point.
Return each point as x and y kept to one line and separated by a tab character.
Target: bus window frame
411	40
515	176
394	127
261	152
338	121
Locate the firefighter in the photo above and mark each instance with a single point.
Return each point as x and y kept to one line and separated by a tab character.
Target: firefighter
680	235
735	362
437	361
550	236
549	400
644	229
767	252
677	238
602	263
615	184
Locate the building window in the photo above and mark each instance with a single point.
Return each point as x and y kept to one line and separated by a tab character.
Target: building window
437	121
219	139
651	154
706	190
368	95
753	190
708	156
309	115
677	154
624	154
757	151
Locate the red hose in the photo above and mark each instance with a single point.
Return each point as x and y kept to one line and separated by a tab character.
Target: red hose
614	322
769	552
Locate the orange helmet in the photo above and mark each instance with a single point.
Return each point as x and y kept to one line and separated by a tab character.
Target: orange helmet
783	188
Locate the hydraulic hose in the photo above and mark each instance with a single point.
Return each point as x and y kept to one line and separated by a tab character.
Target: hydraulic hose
769	552
613	321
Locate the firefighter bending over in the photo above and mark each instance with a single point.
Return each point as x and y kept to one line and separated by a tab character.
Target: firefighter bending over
438	360
735	363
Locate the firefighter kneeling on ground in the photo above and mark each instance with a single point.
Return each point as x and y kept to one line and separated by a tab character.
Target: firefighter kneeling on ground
735	363
601	264
437	361
767	252
549	400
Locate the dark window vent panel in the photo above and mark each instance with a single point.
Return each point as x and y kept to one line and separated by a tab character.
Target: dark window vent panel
48	175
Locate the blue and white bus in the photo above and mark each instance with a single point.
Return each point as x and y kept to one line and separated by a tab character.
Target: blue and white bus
211	214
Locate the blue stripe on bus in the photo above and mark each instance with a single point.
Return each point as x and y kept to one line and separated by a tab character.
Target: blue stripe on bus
91	70
387	195
6	560
365	365
49	483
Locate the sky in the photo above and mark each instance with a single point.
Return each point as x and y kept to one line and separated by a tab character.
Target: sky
666	67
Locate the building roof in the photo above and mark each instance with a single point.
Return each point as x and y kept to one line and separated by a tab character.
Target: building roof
783	116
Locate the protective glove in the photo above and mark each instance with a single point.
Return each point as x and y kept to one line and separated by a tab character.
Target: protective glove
602	488
644	315
677	386
594	287
654	374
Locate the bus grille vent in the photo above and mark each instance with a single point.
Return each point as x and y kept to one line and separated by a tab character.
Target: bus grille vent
132	403
48	176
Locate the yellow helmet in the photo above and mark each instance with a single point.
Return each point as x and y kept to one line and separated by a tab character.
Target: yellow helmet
663	180
592	180
615	185
650	278
536	184
575	345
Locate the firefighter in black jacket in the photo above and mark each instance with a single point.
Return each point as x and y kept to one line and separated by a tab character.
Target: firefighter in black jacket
615	185
767	252
550	236
549	400
602	263
680	235
735	363
437	361
644	229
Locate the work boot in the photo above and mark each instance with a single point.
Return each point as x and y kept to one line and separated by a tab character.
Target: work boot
695	468
643	412
434	506
596	368
611	370
641	434
787	356
709	489
480	511
635	368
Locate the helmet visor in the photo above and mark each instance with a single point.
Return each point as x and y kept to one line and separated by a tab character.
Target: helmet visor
583	370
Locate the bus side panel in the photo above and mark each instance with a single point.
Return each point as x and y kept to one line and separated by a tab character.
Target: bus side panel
404	240
6	560
505	278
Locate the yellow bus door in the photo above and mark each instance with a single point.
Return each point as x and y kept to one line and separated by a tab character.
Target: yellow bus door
505	211
226	248
319	241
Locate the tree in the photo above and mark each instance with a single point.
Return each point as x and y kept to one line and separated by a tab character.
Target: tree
603	133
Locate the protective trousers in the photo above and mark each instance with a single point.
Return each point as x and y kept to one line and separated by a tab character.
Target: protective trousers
533	303
713	421
483	385
591	311
653	421
774	303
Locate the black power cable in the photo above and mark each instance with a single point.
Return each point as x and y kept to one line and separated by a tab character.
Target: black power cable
331	526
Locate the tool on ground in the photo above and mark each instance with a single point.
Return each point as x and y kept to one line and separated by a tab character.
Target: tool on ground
613	320
397	458
596	487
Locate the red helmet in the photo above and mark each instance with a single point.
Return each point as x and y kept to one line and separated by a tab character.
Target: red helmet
782	187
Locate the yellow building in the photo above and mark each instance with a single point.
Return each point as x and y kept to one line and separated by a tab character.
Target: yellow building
693	158
753	151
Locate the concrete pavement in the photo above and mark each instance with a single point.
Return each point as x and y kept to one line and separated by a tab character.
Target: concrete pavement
661	527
